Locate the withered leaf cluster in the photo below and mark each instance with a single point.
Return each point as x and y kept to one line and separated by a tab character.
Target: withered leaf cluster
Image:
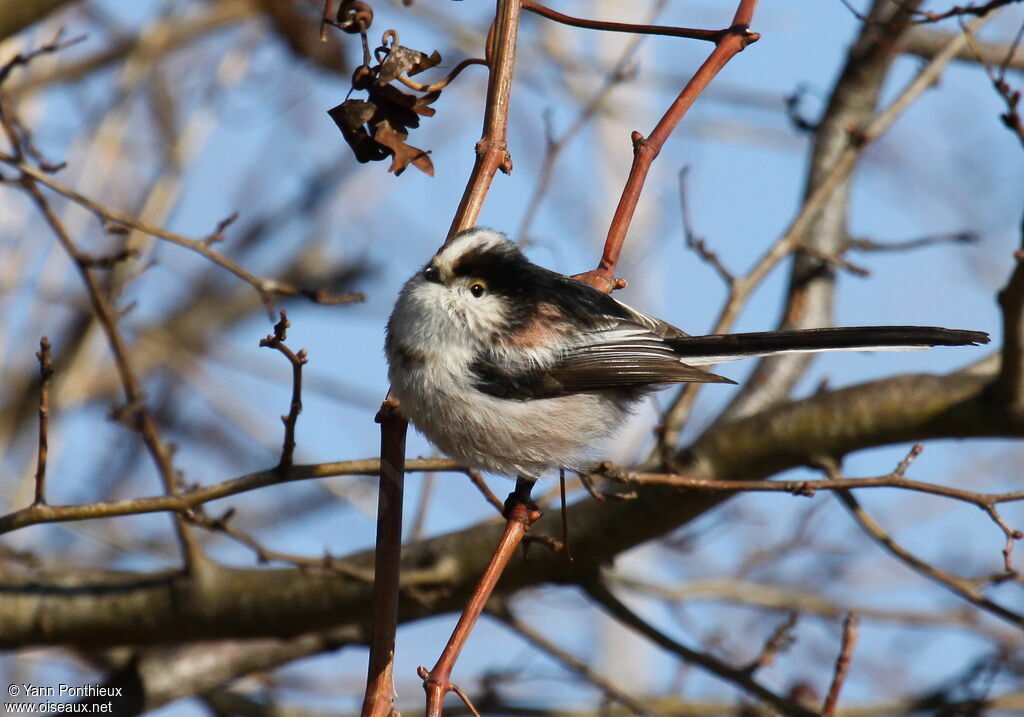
378	127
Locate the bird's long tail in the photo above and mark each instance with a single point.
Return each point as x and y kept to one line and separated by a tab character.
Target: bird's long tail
707	350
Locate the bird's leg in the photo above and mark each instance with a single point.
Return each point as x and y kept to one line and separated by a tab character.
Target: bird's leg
520	513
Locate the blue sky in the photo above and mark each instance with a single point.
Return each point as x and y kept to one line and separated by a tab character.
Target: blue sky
946	166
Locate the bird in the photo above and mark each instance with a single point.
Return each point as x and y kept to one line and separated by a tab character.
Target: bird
515	369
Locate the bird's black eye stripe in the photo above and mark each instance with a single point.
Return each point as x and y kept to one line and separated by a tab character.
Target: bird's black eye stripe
477	289
432	274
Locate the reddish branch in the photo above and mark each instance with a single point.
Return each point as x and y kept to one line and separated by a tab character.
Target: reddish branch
850	628
437	682
380	687
492	150
730	42
693	34
491	155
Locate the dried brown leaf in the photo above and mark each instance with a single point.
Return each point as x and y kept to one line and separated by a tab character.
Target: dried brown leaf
402	154
405	60
351	117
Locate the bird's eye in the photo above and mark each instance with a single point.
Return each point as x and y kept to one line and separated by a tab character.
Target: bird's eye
432	274
477	289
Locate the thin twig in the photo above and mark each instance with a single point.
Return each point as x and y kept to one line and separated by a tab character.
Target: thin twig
419	520
965	237
730	42
297	360
780	639
924	17
478	481
966	589
183	501
691	33
555	146
742	679
135	409
1011	118
266	288
565	516
45	374
806	488
696	243
502	613
792	238
850	625
23	58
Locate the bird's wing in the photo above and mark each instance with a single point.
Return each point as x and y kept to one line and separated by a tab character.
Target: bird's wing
612	346
624	354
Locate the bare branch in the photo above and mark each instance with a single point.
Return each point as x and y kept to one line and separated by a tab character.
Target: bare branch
266	288
297	360
183	501
45	374
22	59
732	41
141	418
850	625
380	688
823	214
868	245
966	589
740	678
571	662
710	35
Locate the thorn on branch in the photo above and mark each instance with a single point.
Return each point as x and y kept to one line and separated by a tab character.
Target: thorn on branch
805	489
901	469
218	232
1012	535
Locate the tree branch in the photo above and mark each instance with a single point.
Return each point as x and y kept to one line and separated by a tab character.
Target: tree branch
737	677
151	608
732	41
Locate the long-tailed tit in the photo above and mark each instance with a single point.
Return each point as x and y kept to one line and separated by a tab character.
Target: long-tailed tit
509	367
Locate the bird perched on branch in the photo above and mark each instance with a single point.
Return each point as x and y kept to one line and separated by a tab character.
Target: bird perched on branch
512	368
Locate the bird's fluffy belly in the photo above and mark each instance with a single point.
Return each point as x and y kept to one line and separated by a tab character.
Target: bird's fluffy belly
505	436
